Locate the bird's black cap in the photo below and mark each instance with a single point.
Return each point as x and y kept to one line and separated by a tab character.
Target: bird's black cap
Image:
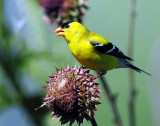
66	24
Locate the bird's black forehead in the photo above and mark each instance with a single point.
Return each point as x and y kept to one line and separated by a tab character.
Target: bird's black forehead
66	23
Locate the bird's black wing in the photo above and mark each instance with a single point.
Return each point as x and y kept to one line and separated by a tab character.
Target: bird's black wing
109	49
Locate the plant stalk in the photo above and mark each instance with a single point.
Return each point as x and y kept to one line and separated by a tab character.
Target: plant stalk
112	100
93	121
132	89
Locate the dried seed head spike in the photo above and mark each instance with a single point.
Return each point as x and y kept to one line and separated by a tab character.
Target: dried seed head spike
71	94
60	11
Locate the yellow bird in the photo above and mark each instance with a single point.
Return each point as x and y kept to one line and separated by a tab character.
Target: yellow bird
93	50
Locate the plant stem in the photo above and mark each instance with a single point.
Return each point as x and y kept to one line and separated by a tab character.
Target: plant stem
132	90
93	121
112	100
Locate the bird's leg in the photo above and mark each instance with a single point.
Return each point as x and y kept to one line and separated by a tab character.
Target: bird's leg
83	67
103	72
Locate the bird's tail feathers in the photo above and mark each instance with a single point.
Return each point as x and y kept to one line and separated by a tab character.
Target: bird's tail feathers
137	69
124	63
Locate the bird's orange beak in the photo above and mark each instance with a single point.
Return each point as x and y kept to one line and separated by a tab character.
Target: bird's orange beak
59	31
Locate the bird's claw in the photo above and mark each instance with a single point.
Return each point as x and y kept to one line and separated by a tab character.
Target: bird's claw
102	72
83	67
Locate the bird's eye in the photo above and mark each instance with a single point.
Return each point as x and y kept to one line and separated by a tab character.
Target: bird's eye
67	26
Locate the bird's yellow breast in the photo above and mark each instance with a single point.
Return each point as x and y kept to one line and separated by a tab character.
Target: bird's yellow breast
78	37
85	53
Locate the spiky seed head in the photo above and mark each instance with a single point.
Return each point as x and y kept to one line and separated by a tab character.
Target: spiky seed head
59	11
72	94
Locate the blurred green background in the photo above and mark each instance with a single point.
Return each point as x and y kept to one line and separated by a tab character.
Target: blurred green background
29	52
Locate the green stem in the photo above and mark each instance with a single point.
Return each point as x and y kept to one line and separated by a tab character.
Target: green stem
112	100
93	121
132	90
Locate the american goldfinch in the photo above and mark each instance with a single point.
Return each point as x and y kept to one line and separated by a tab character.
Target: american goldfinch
93	50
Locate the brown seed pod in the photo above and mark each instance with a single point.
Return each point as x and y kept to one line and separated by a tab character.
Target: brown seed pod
72	94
